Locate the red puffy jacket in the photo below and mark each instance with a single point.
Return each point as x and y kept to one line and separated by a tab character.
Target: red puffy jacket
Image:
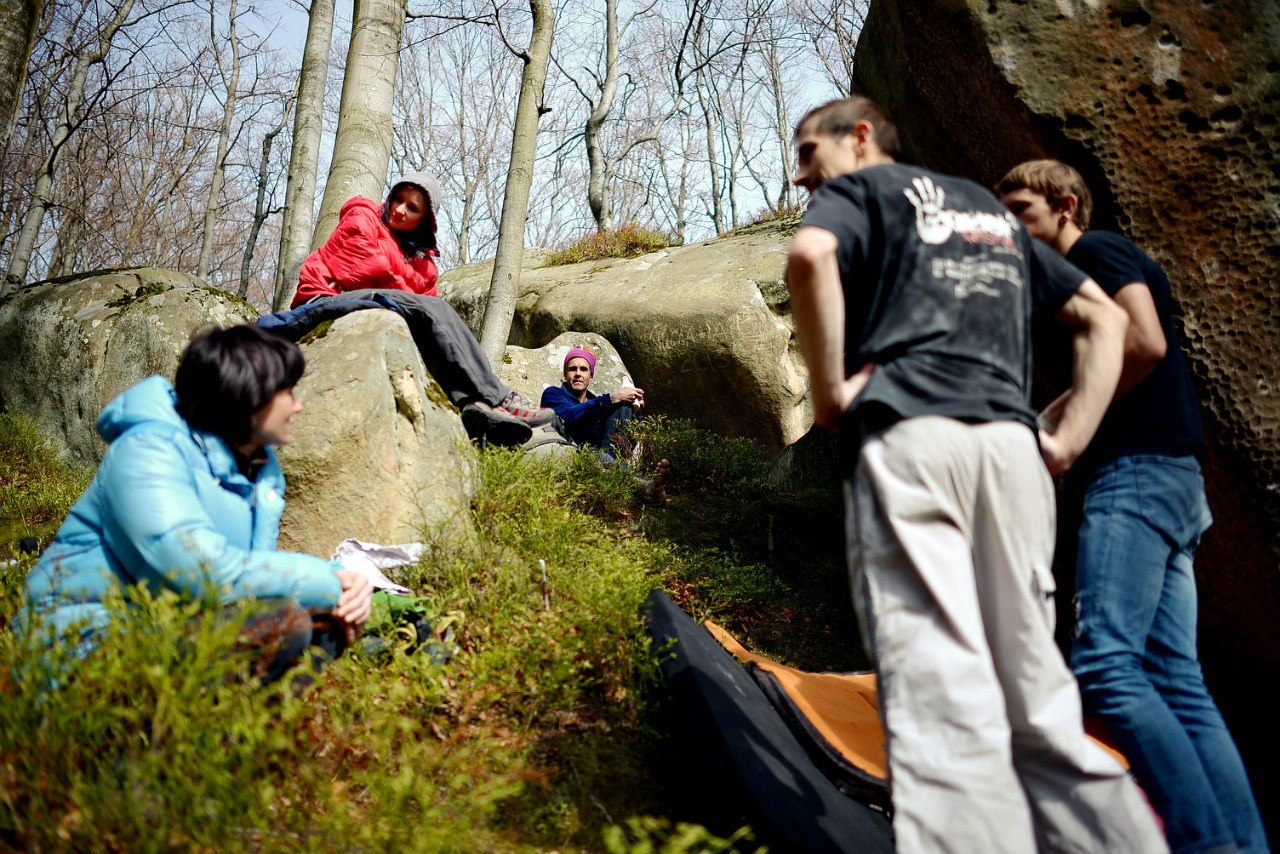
362	253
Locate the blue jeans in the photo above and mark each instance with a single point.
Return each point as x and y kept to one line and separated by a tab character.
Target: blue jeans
617	424
1135	651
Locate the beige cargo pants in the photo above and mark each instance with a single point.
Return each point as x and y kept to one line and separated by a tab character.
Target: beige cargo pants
950	530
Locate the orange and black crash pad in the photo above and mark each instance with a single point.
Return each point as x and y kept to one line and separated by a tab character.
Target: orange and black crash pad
834	716
738	743
806	750
837	717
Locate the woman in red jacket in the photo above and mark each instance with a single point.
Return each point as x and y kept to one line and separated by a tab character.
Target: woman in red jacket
388	252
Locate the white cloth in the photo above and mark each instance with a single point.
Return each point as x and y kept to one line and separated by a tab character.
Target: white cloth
951	536
369	559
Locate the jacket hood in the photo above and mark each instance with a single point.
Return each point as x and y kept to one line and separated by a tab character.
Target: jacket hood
425	235
153	399
427	183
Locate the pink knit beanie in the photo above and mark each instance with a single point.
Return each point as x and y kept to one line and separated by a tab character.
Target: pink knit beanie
580	353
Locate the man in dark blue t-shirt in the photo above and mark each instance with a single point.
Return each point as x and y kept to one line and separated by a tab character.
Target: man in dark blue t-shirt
1145	511
913	295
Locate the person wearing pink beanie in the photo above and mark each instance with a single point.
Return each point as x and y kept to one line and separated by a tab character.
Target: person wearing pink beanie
591	420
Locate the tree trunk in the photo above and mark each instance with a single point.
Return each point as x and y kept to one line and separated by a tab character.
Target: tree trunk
18	20
260	212
713	154
782	125
232	83
504	287
42	195
598	180
62	259
304	158
362	147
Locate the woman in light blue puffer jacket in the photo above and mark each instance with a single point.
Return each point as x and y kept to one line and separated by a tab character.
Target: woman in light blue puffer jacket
189	497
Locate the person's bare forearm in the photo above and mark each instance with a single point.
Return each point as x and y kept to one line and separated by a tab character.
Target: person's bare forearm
817	307
1096	369
1097	355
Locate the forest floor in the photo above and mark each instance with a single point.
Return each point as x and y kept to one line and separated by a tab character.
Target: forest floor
550	728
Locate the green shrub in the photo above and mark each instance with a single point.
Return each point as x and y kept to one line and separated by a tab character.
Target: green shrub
540	734
648	835
701	460
529	739
152	742
628	241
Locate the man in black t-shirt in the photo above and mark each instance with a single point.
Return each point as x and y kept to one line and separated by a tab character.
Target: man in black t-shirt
1145	511
913	294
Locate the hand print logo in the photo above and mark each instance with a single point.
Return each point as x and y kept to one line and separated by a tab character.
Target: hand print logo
932	222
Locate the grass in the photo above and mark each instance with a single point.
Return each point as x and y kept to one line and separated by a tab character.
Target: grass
627	241
545	732
36	487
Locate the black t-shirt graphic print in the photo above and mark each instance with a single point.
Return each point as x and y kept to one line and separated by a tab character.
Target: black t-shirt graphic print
940	284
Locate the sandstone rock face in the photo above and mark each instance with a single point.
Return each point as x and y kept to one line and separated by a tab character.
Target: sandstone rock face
1170	111
379	453
531	371
810	462
71	346
704	328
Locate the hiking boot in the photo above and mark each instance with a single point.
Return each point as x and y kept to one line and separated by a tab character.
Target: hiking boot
525	410
493	425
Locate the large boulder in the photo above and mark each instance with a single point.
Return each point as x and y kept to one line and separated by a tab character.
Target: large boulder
1170	111
705	327
379	452
72	345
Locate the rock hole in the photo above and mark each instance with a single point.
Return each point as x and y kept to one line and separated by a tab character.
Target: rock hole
1175	91
1192	122
1232	113
1167	40
1135	18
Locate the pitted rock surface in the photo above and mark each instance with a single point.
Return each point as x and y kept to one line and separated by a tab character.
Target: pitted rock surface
705	328
1170	111
72	345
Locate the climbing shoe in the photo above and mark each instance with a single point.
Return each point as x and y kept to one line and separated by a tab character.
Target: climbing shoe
525	410
486	423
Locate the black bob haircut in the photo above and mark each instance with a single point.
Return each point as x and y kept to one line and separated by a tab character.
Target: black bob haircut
226	375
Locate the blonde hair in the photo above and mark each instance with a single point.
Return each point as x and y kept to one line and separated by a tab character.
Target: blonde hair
1054	180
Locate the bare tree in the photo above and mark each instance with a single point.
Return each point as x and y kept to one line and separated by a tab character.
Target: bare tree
304	156
650	92
605	161
600	98
504	286
229	72
362	147
775	57
260	210
450	99
833	26
91	52
18	19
